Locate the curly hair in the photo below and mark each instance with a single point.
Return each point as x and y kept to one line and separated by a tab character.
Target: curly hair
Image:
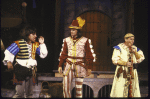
26	31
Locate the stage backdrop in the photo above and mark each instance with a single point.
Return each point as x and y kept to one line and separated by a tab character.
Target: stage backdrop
98	28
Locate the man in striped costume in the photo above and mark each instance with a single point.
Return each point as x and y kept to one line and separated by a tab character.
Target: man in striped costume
78	56
25	50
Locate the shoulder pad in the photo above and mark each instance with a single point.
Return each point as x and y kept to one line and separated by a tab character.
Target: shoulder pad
117	47
138	49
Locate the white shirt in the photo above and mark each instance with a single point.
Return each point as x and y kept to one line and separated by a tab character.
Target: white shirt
28	62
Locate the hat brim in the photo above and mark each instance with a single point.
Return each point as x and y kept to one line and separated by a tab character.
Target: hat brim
74	27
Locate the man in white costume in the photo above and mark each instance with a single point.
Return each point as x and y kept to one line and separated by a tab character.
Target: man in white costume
120	57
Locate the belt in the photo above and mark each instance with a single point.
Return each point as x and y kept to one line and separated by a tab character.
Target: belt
75	57
125	75
76	63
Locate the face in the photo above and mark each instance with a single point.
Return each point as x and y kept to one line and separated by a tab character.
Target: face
32	37
129	41
73	32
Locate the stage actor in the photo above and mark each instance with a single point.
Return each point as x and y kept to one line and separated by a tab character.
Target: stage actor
78	55
24	50
126	56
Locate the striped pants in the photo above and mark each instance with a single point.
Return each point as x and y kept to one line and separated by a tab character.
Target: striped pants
67	80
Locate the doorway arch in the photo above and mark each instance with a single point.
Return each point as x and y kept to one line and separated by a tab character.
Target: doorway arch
98	27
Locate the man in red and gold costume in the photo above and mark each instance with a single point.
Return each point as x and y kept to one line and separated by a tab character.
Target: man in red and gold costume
78	56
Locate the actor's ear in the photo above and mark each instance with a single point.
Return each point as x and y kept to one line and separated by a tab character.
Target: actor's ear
125	39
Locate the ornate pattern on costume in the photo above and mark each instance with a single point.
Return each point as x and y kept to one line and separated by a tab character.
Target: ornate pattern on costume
77	50
78	55
120	83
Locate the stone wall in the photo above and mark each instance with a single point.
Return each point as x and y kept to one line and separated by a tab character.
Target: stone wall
115	9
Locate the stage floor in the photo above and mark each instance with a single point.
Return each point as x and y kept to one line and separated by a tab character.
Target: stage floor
8	90
8	93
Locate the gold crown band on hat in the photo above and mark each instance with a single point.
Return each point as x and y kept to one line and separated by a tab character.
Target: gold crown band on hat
128	35
74	27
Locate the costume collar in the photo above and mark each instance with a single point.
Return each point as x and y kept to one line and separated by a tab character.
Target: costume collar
26	42
124	46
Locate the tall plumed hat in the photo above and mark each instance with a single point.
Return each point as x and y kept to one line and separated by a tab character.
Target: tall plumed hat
128	35
78	23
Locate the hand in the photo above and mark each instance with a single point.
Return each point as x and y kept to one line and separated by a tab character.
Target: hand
129	64
60	70
9	66
133	49
41	39
89	72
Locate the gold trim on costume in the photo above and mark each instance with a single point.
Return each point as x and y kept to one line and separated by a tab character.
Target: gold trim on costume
22	44
23	50
34	47
22	56
74	53
23	53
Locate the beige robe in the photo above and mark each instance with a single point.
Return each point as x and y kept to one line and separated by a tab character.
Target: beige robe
119	88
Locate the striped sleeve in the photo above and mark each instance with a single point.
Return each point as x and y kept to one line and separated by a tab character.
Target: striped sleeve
13	48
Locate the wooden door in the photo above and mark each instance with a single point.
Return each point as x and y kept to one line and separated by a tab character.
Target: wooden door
98	28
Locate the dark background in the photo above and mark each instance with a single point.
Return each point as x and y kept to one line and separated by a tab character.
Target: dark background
42	16
141	31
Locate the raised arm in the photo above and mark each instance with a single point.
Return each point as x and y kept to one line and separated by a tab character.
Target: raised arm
42	49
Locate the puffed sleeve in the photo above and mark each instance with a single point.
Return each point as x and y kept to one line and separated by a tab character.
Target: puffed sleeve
90	56
116	56
42	50
10	53
63	53
141	56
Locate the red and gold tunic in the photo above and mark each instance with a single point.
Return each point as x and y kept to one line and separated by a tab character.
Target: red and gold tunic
77	53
